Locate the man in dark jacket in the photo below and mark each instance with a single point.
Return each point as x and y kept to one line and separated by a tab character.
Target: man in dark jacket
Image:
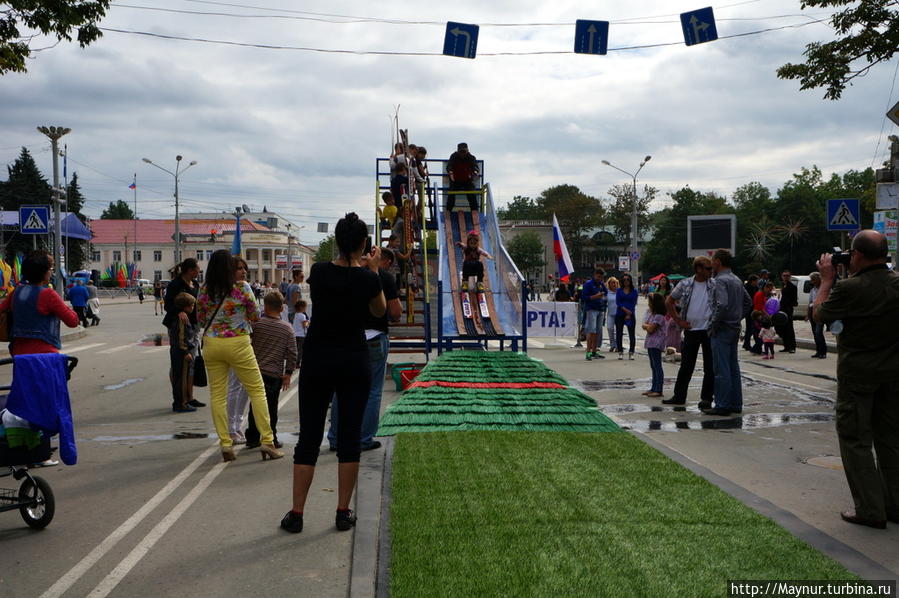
462	169
788	301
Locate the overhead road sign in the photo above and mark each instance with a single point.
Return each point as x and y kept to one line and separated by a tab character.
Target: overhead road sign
699	26
591	37
893	114
843	214
34	220
461	40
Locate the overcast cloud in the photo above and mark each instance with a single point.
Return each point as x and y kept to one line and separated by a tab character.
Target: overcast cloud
299	132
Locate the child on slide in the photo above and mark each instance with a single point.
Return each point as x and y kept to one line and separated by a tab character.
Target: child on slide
472	265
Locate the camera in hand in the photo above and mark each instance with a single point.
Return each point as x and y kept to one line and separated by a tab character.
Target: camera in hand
841	257
367	246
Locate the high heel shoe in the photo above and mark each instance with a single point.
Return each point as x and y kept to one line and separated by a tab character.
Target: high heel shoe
270	452
228	454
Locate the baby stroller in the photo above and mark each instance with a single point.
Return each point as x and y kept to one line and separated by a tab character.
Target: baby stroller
34	497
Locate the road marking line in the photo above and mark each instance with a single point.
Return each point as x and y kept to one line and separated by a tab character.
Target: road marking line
75	573
155	349
82	348
115	577
114	349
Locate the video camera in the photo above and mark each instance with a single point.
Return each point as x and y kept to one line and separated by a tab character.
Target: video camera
841	257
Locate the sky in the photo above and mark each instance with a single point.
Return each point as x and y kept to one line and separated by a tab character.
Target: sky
298	131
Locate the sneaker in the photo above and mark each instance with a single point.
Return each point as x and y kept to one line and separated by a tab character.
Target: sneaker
292	522
588	356
630	356
620	356
345	520
598	355
185	409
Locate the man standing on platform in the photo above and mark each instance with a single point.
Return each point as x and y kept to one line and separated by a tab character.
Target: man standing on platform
462	169
789	299
864	308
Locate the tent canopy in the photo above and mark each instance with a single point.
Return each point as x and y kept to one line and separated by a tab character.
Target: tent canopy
70	226
657	277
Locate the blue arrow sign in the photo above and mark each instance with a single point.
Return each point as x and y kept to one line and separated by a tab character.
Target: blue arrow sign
461	40
843	214
591	37
34	220
699	26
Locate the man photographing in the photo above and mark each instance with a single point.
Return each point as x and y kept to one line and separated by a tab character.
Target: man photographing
867	406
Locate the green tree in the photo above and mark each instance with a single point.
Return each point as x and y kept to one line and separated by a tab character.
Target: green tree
867	33
621	209
576	212
118	210
25	186
527	251
326	250
521	208
60	19
78	250
667	250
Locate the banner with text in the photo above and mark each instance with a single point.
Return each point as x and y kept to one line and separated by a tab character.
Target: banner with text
550	318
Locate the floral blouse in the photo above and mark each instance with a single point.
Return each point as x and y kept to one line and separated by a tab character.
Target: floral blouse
234	316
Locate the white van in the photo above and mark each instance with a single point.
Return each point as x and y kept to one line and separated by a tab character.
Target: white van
803	286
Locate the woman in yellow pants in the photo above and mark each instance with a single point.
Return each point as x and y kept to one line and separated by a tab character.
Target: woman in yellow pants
225	309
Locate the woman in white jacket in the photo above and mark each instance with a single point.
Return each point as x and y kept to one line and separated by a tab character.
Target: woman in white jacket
613	285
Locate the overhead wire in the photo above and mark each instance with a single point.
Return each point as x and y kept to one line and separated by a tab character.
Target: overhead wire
883	122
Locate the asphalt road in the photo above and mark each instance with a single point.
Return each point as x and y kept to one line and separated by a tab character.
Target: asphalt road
150	509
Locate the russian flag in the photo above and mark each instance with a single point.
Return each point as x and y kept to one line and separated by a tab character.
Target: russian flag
132	186
561	251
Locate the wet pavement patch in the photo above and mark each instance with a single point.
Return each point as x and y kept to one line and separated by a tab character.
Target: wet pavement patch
151	438
123	384
753	421
153	340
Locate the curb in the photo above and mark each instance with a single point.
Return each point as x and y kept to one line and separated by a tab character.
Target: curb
853	560
373	495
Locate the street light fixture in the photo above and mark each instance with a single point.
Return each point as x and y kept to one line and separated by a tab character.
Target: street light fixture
178	172
635	261
54	133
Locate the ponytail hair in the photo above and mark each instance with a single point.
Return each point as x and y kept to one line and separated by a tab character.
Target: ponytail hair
179	269
349	234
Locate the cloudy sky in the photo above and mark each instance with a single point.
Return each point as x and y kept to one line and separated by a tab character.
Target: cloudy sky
298	131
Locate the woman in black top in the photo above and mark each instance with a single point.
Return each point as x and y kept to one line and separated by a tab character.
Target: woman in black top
335	362
183	276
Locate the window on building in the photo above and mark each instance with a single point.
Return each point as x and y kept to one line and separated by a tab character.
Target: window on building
157	256
208	254
199	255
266	255
200	277
137	256
157	275
95	256
117	256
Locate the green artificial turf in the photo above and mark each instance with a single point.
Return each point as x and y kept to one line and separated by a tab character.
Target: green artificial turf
443	409
572	514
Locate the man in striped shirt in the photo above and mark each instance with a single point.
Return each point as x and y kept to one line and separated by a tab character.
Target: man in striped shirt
276	354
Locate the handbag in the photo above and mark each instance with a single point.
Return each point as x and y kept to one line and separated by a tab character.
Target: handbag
200	377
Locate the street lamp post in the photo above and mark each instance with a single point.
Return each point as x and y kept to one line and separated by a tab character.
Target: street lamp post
178	172
54	133
635	254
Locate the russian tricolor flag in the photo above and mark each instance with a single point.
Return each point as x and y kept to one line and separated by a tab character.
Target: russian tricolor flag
561	251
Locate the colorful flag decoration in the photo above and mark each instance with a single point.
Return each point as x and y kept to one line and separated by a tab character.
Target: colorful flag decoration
561	252
235	245
132	186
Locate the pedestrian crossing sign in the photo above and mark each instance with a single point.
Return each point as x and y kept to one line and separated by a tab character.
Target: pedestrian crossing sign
34	220
843	214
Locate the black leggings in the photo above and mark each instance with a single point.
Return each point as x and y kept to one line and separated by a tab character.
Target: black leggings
473	268
323	374
619	332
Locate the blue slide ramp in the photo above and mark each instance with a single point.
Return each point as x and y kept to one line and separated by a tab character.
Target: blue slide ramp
505	282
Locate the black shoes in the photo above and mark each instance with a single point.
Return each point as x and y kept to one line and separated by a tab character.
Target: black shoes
850	517
186	409
717	411
787	351
370	447
251	444
819	356
345	520
674	401
196	403
703	405
292	522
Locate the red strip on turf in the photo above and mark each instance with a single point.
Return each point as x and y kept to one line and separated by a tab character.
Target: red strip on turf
523	385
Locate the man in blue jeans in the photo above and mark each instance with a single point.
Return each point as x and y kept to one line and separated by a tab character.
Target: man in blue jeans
730	304
594	302
378	347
